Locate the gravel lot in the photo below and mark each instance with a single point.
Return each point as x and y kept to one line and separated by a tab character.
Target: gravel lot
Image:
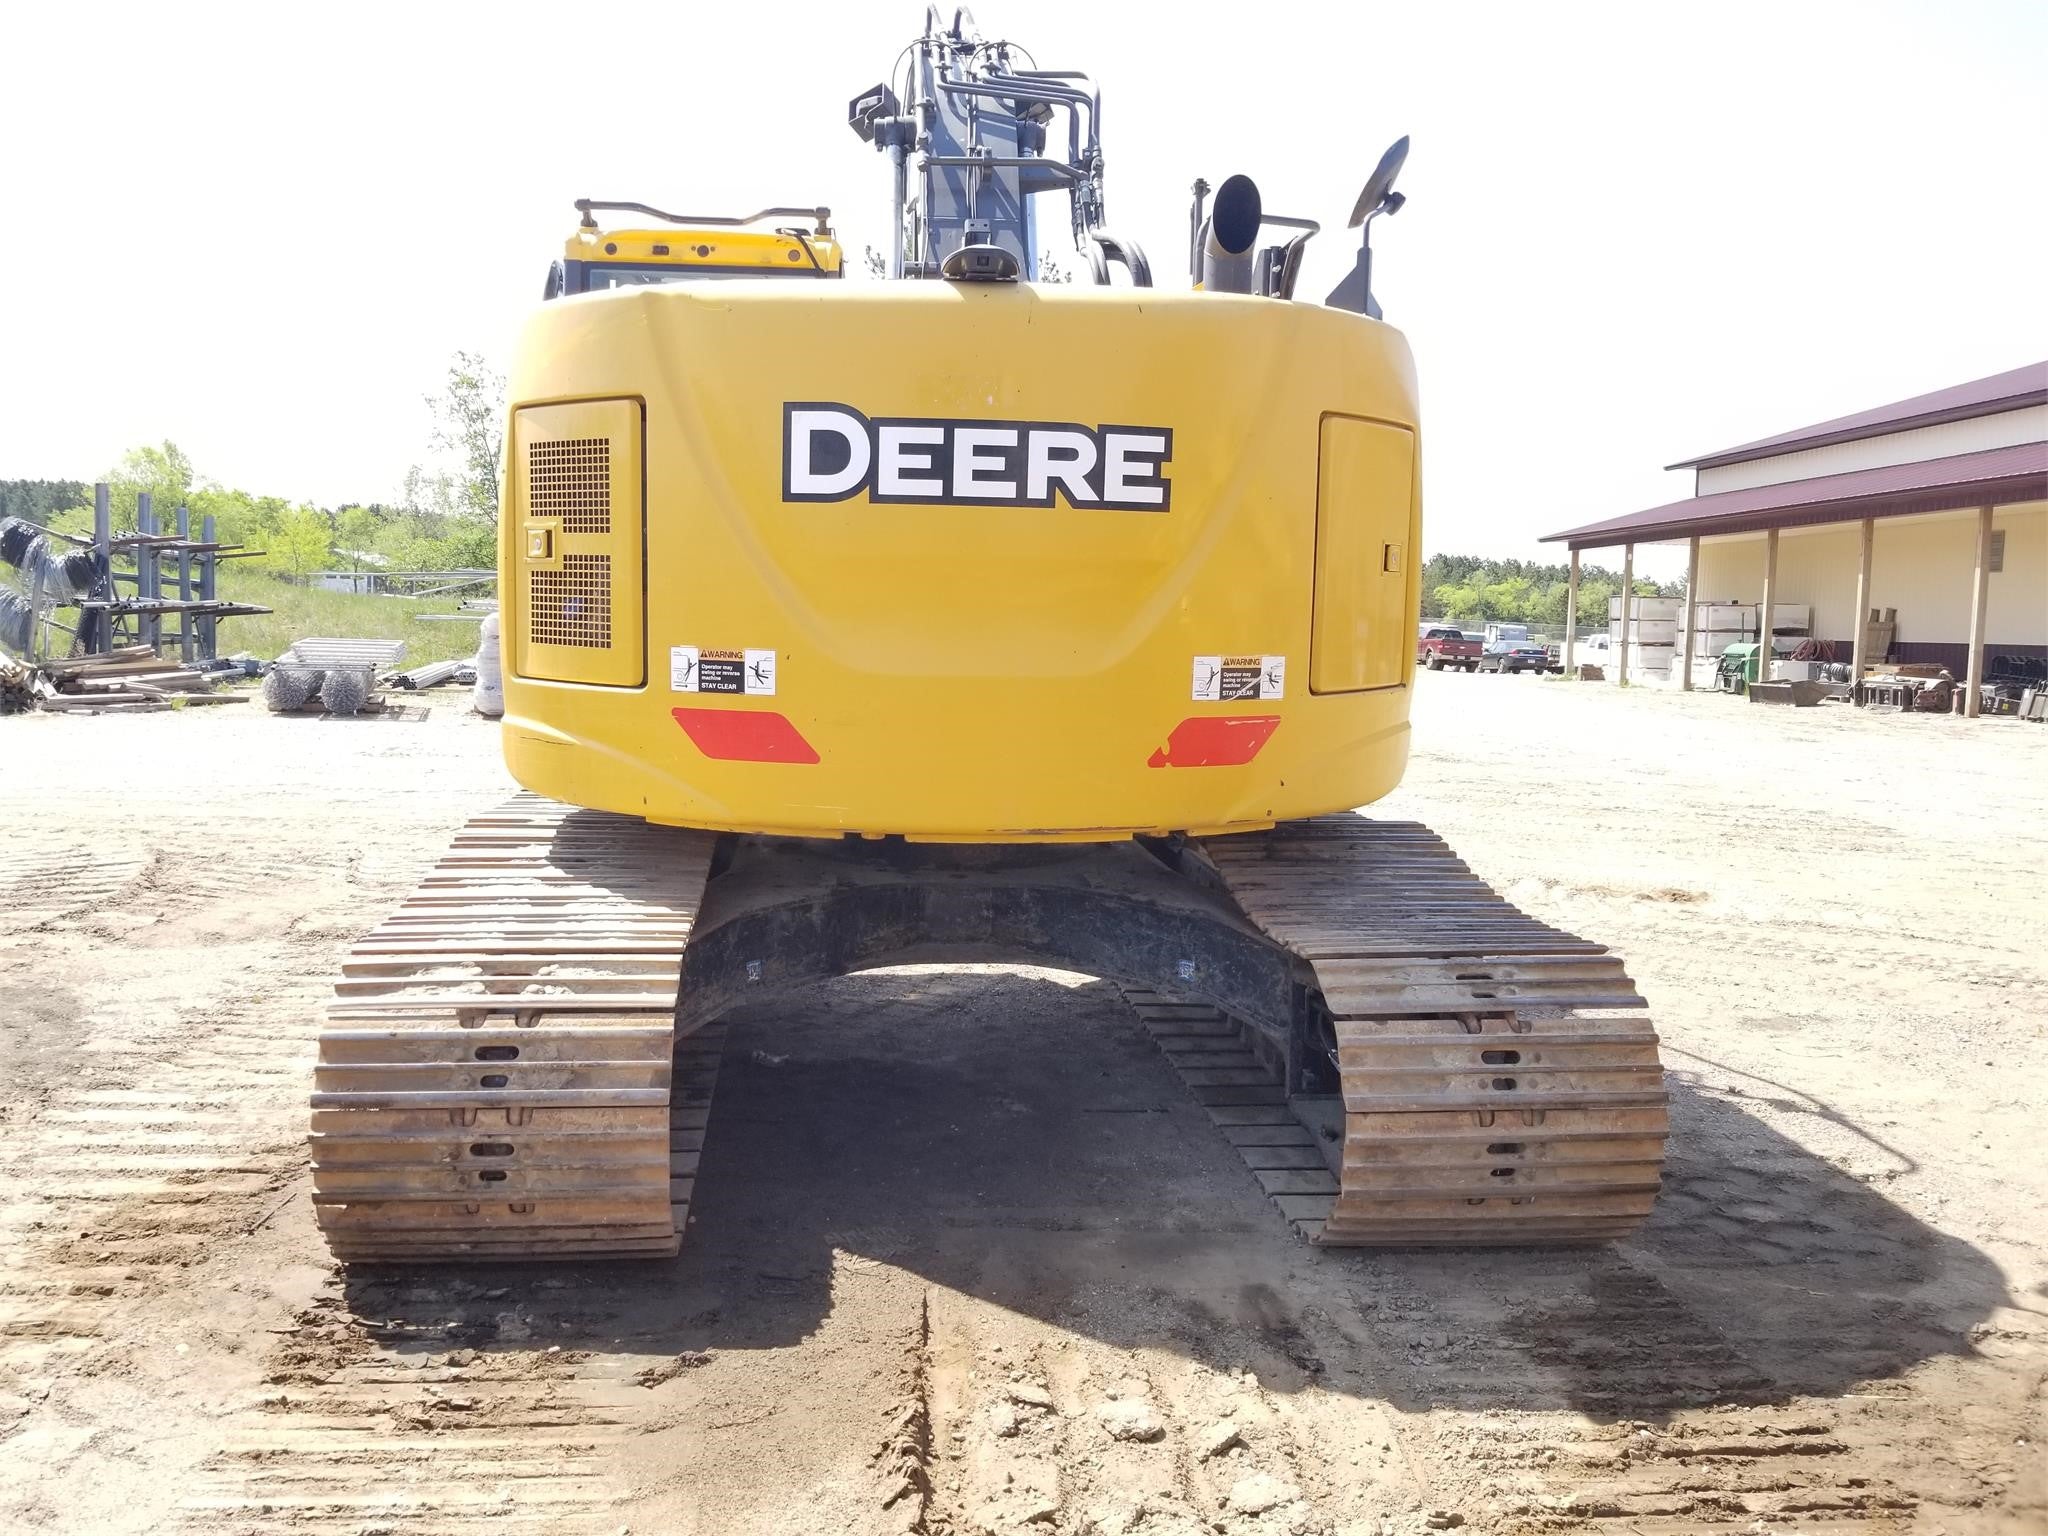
947	1218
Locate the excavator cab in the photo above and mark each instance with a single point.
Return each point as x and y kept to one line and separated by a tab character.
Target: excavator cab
695	248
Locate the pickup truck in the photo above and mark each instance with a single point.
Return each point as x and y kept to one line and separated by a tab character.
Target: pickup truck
1441	646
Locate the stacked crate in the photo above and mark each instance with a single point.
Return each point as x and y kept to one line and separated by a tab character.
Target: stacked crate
1652	633
1716	626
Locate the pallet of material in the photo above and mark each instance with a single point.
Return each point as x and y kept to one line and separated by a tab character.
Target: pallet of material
328	651
131	679
131	703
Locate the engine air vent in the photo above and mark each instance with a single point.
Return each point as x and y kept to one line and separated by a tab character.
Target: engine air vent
576	580
572	606
571	478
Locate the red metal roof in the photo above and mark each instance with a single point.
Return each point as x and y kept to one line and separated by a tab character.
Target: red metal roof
1990	477
1980	397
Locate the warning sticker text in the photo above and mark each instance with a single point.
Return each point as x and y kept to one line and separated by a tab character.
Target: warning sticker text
706	669
1232	679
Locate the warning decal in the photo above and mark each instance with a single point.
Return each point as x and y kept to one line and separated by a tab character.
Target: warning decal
1233	679
706	669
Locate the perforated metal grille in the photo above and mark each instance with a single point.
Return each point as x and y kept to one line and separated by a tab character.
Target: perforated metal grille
572	606
571	479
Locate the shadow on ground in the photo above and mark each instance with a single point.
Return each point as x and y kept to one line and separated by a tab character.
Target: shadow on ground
1017	1139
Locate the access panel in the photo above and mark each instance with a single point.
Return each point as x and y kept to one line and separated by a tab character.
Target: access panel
1368	536
577	580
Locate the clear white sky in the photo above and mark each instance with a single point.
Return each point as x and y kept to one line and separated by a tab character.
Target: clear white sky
1635	232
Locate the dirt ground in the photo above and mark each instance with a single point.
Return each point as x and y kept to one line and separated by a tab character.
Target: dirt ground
946	1217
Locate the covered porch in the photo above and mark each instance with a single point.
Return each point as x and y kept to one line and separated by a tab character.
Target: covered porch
1958	546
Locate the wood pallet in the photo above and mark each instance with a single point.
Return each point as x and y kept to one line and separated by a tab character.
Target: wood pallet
499	1077
1478	1108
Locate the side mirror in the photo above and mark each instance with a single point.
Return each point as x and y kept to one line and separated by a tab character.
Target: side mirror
1379	187
1378	197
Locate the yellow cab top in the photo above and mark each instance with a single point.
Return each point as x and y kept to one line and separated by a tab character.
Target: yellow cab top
620	257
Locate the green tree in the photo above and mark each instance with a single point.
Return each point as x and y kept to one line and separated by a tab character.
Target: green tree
301	542
469	429
355	534
43	501
163	470
1471	590
238	517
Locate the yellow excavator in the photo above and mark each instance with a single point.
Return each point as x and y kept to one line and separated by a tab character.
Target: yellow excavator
960	615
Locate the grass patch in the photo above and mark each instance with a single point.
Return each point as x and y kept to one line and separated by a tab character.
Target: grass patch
300	612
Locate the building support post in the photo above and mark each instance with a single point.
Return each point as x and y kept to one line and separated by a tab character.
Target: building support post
1692	609
1628	591
1769	653
1571	617
1859	648
1973	700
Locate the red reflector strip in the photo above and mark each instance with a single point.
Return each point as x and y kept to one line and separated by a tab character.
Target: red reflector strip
745	735
1215	741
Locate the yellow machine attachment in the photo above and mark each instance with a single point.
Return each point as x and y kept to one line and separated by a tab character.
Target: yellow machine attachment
986	562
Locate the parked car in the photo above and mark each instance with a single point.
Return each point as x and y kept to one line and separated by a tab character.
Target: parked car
1502	656
1441	646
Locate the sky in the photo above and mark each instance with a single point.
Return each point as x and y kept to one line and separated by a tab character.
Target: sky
1635	233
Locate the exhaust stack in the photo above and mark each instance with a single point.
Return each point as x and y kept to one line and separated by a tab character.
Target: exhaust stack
1230	235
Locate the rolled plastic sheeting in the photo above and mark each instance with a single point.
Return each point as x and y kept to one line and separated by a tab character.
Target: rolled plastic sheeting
65	574
15	538
15	621
489	695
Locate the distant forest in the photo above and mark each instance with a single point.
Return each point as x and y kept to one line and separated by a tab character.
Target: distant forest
41	500
1472	590
445	517
1463	589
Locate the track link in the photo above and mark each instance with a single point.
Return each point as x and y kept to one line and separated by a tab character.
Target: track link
499	1077
1497	1086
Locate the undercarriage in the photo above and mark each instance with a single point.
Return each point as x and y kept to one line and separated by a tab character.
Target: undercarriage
519	1062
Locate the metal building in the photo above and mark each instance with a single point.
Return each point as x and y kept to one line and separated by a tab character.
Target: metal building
1935	507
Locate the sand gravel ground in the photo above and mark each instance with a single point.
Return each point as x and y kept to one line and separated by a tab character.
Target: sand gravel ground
964	1257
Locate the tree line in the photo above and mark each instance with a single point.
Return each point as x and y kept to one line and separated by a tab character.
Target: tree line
444	518
1473	590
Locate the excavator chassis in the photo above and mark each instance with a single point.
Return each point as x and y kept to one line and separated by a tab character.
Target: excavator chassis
518	1063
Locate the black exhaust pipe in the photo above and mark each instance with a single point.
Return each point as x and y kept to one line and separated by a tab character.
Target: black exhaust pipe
1232	232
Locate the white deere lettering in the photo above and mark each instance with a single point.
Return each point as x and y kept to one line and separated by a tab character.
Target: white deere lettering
898	454
970	463
1055	453
1129	484
833	452
800	452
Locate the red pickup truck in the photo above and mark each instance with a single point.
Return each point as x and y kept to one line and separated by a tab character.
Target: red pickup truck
1440	646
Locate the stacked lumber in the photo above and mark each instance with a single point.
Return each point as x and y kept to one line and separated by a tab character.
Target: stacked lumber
17	692
131	680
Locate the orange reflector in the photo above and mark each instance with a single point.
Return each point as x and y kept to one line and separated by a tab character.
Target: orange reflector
745	735
1215	741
